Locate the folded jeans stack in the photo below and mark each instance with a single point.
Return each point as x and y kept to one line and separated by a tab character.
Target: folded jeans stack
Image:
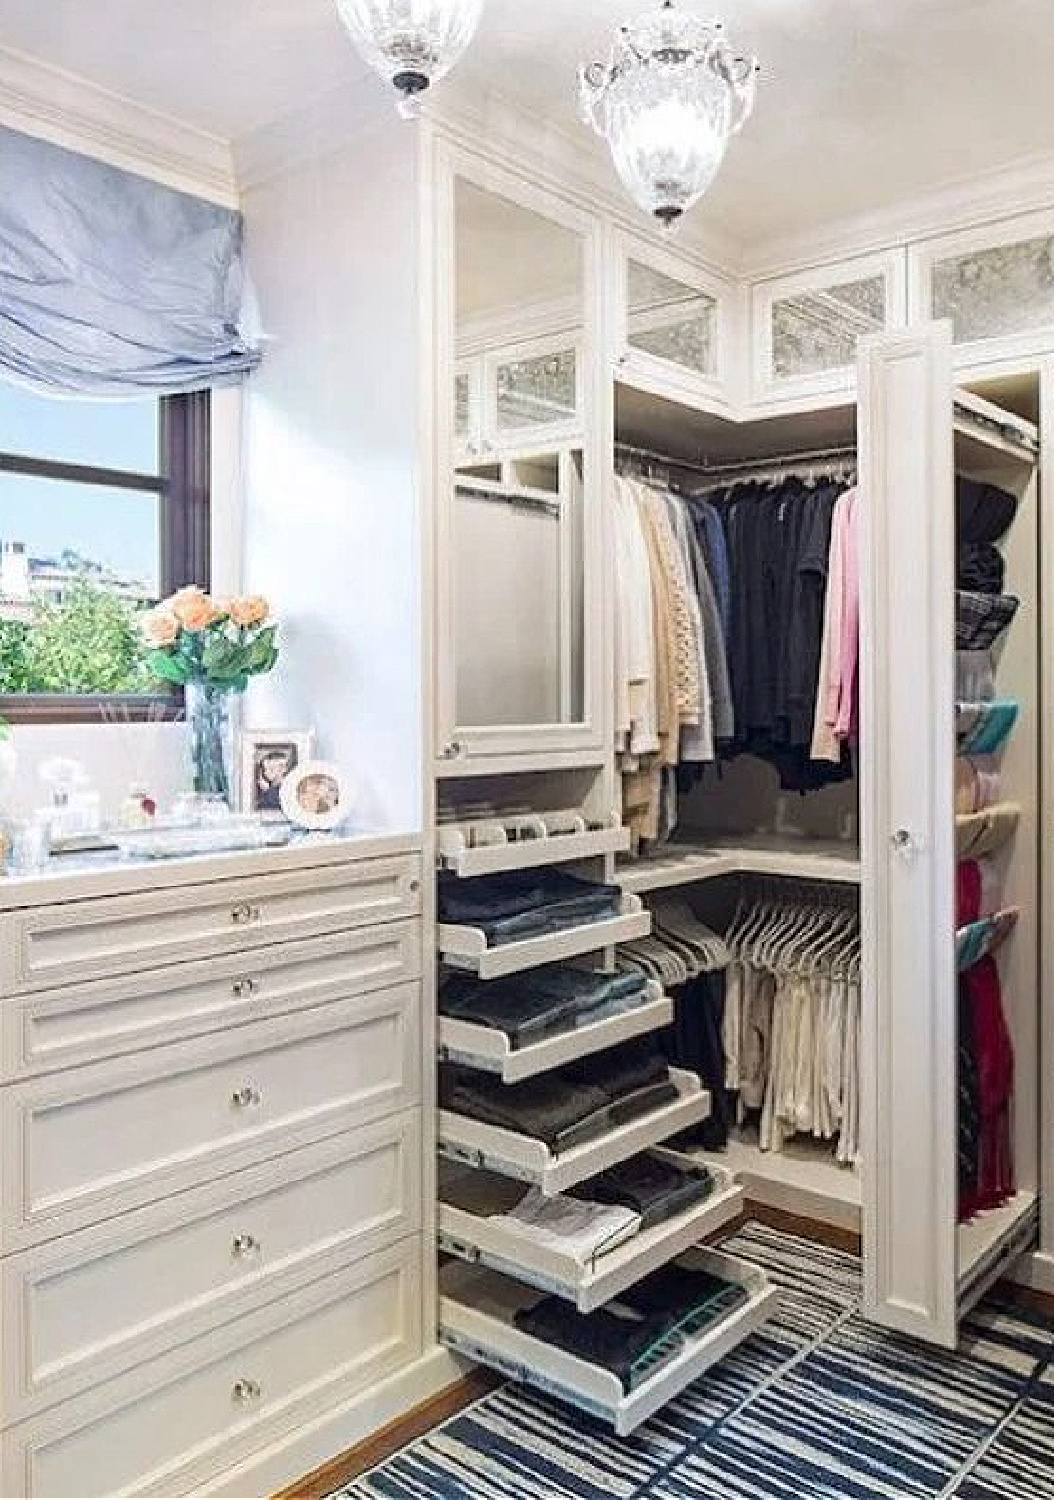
513	906
544	1002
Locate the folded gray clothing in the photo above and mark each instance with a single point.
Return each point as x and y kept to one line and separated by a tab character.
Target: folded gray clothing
570	1105
539	1003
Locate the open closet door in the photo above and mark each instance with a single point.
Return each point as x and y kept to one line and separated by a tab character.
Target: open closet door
908	1052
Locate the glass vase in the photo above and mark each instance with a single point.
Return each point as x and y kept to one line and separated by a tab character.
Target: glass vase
210	720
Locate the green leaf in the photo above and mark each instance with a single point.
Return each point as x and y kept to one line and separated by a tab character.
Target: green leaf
262	653
168	668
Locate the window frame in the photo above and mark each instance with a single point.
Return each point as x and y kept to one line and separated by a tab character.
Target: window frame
183	488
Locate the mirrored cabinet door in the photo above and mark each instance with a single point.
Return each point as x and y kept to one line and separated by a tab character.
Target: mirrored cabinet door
807	327
518	528
671	320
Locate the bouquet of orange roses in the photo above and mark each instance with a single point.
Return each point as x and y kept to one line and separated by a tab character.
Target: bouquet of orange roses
218	643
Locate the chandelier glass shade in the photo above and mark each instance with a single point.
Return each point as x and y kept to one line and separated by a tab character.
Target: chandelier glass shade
411	43
667	102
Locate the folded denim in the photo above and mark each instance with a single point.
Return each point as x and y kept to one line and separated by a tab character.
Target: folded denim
540	1003
513	905
651	1186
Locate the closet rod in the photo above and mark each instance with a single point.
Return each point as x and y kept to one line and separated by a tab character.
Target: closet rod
776	461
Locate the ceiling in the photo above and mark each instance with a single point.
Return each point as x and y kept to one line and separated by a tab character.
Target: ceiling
861	102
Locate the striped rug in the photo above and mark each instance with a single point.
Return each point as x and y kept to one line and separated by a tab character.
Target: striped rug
818	1405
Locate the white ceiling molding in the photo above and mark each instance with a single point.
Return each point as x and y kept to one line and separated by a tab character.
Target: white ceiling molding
966	203
498	130
63	108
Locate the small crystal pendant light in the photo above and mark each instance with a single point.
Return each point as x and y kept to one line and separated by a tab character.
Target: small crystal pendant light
667	102
412	43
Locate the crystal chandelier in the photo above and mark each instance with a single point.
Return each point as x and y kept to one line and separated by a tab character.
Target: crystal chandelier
667	102
412	43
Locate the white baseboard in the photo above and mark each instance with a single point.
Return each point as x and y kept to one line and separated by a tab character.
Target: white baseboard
1035	1271
298	1453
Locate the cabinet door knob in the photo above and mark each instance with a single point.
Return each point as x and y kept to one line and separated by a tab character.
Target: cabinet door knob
245	1244
905	843
245	1097
243	989
242	915
244	1391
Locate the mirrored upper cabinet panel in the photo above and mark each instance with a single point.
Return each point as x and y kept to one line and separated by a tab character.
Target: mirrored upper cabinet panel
670	320
1000	290
819	329
520	281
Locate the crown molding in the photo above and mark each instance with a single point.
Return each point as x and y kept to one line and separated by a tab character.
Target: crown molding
963	203
494	128
69	111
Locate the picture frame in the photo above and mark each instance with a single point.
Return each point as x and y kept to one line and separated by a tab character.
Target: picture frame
267	758
317	795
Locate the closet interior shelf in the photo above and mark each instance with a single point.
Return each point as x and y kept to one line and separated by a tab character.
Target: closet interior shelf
760	854
488	846
490	1050
473	1231
989	1243
467	948
530	1160
802	1178
477	1309
983	429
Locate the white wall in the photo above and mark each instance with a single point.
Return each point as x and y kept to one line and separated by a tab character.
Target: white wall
331	519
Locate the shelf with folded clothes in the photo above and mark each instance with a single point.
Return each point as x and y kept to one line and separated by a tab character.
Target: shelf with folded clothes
629	1359
548	1159
498	924
487	846
985	433
521	1026
796	857
581	1249
981	939
466	947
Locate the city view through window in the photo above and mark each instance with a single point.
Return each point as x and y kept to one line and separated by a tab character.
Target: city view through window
78	561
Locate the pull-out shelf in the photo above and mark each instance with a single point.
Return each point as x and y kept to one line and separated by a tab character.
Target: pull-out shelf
529	853
989	1245
530	1160
467	948
488	1049
477	1309
469	1229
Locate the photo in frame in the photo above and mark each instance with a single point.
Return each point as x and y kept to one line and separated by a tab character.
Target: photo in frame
317	795
268	756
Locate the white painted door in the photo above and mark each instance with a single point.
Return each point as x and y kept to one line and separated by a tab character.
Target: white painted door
909	1033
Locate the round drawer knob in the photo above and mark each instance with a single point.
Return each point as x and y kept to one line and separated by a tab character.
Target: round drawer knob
243	989
245	1244
246	1390
242	915
246	1097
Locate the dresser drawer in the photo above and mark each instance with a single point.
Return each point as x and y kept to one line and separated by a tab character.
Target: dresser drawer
93	1142
81	1023
79	940
163	1428
83	1308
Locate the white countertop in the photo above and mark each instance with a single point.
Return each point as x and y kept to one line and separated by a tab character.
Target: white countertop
80	877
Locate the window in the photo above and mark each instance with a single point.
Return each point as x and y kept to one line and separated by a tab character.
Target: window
104	509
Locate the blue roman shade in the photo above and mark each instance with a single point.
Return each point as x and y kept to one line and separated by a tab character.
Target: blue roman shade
111	284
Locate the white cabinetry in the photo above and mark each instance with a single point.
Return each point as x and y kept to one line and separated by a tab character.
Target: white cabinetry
210	1218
